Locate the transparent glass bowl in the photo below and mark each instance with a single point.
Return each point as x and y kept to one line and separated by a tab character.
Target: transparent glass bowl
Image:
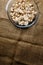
8	6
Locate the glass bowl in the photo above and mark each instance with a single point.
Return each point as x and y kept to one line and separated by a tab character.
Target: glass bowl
9	5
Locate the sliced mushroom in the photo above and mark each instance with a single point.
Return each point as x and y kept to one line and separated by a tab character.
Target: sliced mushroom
21	23
11	14
12	9
25	17
22	12
26	23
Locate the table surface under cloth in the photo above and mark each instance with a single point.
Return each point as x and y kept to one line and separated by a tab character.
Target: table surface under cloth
20	46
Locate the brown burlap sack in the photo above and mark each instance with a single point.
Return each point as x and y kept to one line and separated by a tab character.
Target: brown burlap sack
20	46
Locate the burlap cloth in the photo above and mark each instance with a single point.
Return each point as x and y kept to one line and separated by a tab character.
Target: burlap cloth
20	46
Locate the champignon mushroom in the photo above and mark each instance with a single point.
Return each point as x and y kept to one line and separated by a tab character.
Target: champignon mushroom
22	12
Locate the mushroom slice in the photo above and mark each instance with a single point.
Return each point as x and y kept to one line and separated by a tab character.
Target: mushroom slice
31	5
21	22
34	12
12	9
11	14
18	10
26	23
25	17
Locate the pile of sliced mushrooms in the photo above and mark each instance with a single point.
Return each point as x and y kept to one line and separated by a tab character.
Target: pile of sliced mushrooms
23	12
